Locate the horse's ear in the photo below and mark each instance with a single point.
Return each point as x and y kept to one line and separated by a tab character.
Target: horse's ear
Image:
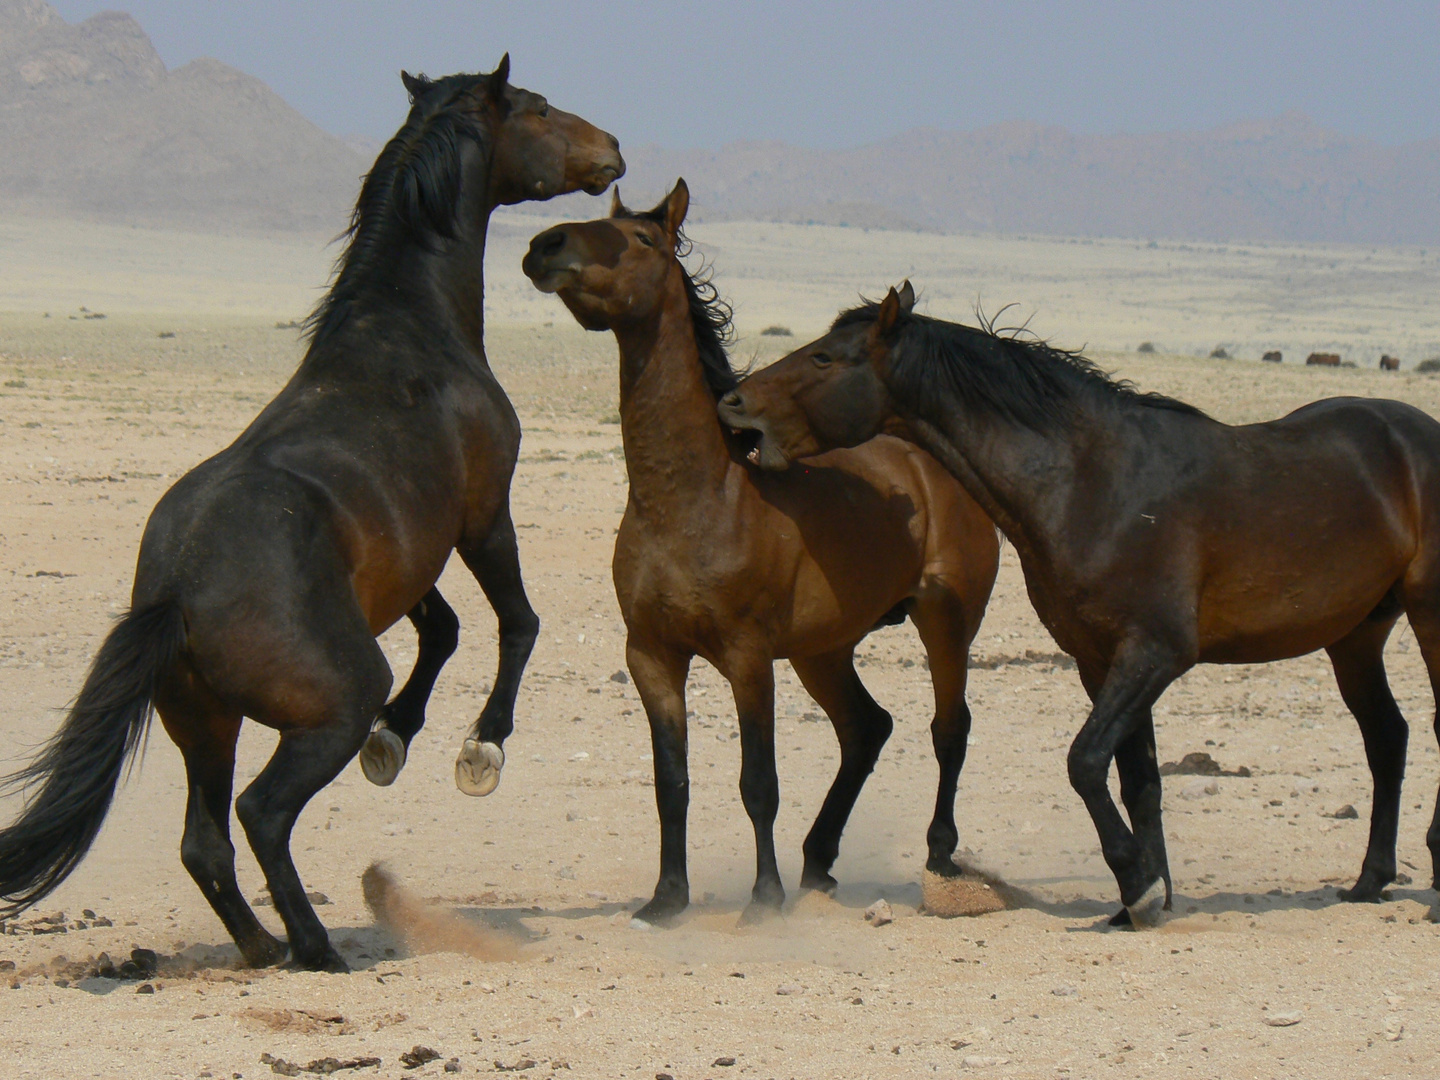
677	204
495	85
889	314
616	206
415	85
907	297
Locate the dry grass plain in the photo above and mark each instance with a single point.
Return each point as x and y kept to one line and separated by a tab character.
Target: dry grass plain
98	417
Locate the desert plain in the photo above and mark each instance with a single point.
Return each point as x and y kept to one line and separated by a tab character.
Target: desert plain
520	956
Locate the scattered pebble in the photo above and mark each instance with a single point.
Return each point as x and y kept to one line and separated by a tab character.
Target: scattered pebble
983	1061
620	677
879	913
1283	1019
1346	813
724	1061
417	1056
1065	991
787	989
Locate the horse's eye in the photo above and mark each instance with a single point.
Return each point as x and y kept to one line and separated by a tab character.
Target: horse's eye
645	239
820	359
544	111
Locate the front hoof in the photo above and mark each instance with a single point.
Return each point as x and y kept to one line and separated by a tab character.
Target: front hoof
820	881
383	756
757	912
659	911
477	769
329	960
265	952
1148	912
943	866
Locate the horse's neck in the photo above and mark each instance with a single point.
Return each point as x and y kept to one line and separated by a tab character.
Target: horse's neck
675	451
1018	476
455	279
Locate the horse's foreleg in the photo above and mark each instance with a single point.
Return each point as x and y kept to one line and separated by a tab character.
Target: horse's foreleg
862	727
1134	682
752	680
1140	792
659	676
494	559
384	752
1358	660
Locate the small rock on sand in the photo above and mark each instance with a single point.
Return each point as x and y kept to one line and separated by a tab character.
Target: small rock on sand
879	913
1346	813
968	894
1283	1019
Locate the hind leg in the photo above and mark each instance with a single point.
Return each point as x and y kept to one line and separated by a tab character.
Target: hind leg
350	693
206	737
1425	621
384	753
494	559
1358	660
946	628
862	727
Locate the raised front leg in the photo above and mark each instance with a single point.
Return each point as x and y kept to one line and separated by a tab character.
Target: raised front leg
383	755
659	676
1135	681
753	682
494	559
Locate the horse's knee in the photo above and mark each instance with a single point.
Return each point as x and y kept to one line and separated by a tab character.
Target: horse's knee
1088	769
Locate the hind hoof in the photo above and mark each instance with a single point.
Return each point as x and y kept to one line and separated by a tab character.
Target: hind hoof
383	756
477	769
1149	911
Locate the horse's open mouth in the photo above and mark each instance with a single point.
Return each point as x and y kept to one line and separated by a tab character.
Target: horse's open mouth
748	439
602	178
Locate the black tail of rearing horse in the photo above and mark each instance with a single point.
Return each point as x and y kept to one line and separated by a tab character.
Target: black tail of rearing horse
78	769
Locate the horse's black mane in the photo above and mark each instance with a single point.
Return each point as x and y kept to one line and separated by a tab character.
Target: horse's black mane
709	314
1021	378
412	191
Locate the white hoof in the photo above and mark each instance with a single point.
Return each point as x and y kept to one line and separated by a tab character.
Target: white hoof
639	924
477	769
1149	911
382	757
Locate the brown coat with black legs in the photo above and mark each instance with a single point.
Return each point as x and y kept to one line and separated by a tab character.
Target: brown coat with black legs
719	559
1152	537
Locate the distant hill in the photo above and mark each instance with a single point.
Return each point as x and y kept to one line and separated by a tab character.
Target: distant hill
93	125
1280	179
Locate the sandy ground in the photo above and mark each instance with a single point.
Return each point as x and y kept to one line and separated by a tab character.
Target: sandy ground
98	417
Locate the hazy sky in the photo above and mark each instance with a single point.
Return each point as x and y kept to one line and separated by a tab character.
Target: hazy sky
838	74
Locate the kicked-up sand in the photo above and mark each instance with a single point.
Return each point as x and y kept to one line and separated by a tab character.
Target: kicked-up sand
500	938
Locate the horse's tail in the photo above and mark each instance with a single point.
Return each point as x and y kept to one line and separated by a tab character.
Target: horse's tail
77	770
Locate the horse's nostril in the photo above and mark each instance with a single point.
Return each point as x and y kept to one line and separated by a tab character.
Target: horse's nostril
552	242
731	400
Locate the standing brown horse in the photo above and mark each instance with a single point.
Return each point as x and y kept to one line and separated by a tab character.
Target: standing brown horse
266	573
717	559
1152	537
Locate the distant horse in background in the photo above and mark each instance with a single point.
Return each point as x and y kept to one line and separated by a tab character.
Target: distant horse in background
718	559
1152	537
1389	363
1322	359
1274	356
266	573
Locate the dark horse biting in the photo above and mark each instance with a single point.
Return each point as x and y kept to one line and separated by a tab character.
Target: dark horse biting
266	573
718	559
1152	537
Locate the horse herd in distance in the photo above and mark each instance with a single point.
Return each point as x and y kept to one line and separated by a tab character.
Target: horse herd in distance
1315	359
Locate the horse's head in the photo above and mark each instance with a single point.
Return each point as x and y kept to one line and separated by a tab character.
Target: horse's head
827	394
536	151
612	272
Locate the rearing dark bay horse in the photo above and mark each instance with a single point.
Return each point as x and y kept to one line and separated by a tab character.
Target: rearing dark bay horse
1152	537
266	573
